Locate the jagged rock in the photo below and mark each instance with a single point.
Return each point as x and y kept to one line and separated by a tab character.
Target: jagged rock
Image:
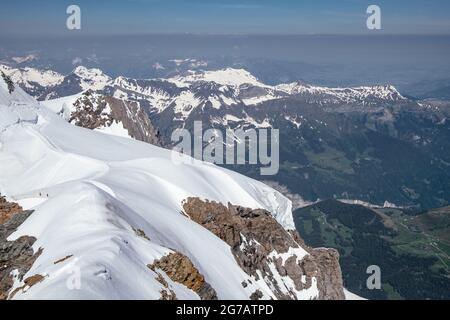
91	112
9	82
95	111
257	295
329	273
14	255
168	295
257	242
28	283
134	119
8	209
63	259
141	233
179	268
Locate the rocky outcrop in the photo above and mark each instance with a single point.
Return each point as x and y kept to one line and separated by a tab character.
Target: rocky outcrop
63	259
323	263
16	257
96	111
134	119
8	209
8	82
91	111
179	268
28	283
265	250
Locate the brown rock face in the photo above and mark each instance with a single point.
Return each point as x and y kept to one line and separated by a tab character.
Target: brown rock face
180	269
14	255
134	119
257	241
9	82
92	112
8	209
28	283
325	262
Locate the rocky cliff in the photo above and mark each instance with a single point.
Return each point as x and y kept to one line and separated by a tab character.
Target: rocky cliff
266	251
95	111
16	257
179	268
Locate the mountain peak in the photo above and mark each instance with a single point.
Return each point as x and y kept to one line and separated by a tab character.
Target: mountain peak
387	92
227	76
28	77
93	78
84	72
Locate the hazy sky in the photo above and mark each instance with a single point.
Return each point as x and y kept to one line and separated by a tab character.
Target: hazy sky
225	16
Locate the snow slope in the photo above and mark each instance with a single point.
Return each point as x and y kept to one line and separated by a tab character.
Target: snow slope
63	106
91	191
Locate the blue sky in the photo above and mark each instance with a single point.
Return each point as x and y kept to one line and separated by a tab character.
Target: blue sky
225	16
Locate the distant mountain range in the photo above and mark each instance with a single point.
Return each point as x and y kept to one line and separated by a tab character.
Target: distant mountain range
364	143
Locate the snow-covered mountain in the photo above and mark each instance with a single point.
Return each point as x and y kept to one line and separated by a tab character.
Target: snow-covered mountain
107	114
116	218
47	84
182	98
193	89
318	122
32	80
91	79
199	89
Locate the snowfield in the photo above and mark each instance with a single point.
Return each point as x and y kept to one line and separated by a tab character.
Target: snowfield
91	191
